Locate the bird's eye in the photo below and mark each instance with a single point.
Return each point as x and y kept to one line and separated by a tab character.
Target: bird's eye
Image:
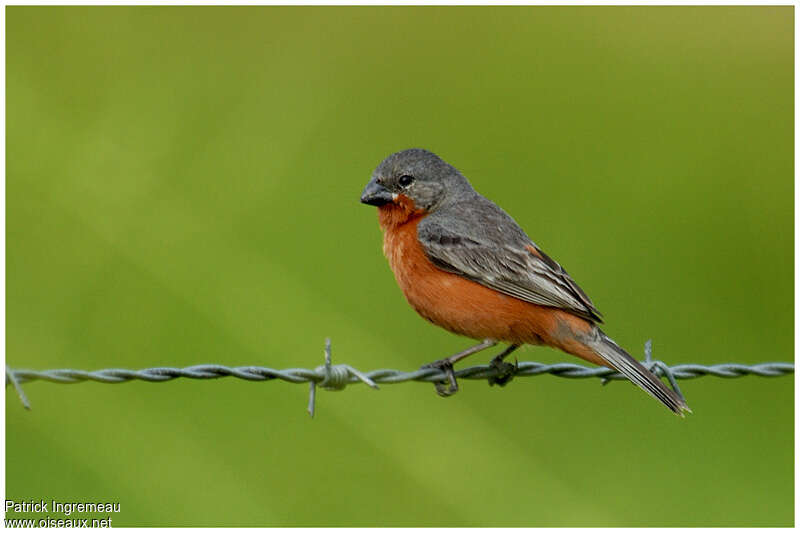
406	180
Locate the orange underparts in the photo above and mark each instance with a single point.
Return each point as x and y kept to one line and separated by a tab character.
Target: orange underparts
464	306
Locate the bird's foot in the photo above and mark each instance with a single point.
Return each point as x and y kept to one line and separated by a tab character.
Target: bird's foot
450	386
505	371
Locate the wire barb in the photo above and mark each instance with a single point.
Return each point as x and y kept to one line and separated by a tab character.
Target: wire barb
337	377
333	378
11	378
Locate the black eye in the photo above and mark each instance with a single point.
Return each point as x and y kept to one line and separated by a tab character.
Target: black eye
406	180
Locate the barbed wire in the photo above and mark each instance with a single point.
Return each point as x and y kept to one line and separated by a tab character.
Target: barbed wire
337	377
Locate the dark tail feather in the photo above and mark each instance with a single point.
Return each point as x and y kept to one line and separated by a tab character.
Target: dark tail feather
621	361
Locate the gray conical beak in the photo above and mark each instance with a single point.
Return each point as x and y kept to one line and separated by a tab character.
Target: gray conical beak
375	194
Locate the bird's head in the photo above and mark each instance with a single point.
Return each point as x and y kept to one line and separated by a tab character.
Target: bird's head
410	184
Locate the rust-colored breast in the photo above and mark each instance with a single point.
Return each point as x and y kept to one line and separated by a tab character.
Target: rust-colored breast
469	308
464	306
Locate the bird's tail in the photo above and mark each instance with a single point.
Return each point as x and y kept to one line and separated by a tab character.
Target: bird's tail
621	361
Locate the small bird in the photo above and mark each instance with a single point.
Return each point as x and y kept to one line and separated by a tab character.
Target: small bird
465	265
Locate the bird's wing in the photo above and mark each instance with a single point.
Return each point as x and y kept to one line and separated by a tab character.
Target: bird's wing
486	249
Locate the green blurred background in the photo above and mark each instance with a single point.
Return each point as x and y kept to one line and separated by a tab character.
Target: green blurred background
182	188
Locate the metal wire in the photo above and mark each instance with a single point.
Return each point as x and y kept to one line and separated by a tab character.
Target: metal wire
337	377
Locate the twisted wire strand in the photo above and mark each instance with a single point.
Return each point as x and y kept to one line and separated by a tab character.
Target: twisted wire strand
385	375
337	377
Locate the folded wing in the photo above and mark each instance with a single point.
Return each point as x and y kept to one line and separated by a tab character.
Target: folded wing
503	258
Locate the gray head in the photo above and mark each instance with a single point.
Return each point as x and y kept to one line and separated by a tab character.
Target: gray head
419	175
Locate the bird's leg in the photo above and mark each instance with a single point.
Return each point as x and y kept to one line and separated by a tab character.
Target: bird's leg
446	365
505	371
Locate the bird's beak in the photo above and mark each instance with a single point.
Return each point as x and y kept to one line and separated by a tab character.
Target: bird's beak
375	194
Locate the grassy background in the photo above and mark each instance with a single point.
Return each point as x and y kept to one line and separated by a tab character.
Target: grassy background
182	187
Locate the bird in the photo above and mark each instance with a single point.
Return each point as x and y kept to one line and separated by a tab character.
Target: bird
465	265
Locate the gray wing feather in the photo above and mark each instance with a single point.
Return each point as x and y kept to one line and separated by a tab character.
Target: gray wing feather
482	243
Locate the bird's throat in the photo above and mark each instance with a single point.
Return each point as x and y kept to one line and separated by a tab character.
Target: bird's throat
399	212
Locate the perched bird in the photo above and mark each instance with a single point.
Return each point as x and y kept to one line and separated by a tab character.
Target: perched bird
465	265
